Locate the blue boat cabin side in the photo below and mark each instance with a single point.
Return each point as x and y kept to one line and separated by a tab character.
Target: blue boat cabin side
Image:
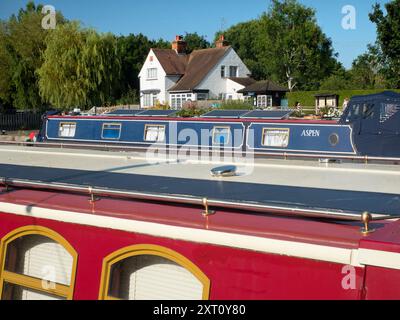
247	135
369	126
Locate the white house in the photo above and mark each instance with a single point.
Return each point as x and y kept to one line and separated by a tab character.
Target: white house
174	77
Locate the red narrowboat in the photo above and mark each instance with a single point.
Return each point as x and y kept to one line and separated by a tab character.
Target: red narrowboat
89	224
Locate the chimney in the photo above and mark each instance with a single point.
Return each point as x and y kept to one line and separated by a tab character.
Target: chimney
179	45
221	42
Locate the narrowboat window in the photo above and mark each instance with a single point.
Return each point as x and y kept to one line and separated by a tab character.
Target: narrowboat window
154	133
388	110
67	129
111	131
221	135
278	138
151	273
37	264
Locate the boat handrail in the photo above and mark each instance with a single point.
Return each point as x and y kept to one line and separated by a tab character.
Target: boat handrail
94	192
284	155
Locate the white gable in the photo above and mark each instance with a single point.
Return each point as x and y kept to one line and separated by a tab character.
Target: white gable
156	85
218	86
215	83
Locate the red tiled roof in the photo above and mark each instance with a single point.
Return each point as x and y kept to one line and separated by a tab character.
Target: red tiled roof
193	68
173	63
243	81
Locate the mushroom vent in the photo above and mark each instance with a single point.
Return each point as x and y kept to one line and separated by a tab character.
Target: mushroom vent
225	171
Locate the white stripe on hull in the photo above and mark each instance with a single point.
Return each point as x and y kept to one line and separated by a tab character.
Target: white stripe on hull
238	241
355	257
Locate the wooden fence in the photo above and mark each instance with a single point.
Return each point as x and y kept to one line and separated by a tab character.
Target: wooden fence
20	121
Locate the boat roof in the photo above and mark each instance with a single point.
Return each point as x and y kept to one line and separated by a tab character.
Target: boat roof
280	184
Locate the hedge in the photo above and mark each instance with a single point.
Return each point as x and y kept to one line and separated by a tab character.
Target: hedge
307	99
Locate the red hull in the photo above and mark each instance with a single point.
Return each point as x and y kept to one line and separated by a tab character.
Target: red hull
234	273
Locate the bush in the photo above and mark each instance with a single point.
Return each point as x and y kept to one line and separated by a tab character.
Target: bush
307	99
130	97
236	105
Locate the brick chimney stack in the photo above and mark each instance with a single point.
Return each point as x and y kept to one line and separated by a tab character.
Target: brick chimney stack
179	45
221	42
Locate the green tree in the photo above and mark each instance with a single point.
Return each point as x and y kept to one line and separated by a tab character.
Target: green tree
367	70
195	41
388	39
22	41
81	67
133	50
339	80
285	45
243	38
293	46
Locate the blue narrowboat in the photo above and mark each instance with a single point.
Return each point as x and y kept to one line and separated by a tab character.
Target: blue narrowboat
370	126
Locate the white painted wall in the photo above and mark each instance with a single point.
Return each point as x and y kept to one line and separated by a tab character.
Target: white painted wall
170	81
232	88
157	84
213	80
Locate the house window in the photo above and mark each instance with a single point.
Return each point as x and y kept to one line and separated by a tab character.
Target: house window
178	100
67	129
151	73
111	131
149	100
36	264
148	272
202	96
273	137
233	71
221	135
154	133
223	74
264	101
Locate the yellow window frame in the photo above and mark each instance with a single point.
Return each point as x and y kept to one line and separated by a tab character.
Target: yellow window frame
148	249
69	123
59	290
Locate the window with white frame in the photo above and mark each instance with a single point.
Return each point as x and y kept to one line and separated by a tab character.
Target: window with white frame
151	73
154	133
264	101
233	71
179	100
67	129
111	131
221	135
275	137
150	99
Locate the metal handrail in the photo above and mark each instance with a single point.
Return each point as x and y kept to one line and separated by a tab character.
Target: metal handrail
285	155
191	200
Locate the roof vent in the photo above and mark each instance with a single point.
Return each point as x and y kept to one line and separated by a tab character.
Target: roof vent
225	171
325	160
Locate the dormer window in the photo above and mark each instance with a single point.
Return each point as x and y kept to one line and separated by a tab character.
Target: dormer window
151	73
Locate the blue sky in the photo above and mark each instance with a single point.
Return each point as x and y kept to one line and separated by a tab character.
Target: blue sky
166	18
